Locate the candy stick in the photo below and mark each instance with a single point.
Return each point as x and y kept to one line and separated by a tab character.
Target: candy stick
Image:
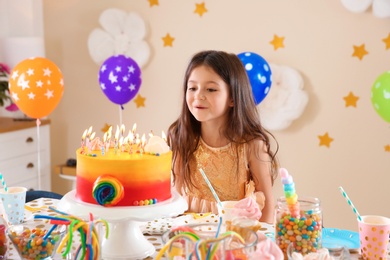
210	187
350	203
3	182
289	192
49	232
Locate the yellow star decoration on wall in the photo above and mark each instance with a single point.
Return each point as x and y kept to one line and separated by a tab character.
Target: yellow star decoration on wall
325	139
153	2
200	9
139	101
350	100
168	40
105	128
387	148
277	42
359	51
387	41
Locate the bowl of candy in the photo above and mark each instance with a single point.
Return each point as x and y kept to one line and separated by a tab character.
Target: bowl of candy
36	243
208	241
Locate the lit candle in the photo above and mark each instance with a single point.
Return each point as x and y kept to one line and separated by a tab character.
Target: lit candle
104	142
143	140
108	141
116	140
91	137
131	142
82	141
122	130
88	136
120	147
134	128
163	136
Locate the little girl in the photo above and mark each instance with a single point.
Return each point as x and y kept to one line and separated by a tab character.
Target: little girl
219	131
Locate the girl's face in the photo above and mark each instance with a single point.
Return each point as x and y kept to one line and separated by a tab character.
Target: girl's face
207	95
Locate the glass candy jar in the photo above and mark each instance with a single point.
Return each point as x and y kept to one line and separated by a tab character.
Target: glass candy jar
299	224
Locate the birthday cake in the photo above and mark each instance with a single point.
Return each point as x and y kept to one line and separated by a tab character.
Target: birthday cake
125	172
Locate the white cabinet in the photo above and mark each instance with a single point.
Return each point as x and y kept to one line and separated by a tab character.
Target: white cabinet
25	154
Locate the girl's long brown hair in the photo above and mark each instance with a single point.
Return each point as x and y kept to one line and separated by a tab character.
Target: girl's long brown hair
243	124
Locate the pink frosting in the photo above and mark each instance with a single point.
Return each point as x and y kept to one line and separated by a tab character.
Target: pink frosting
95	144
267	250
248	208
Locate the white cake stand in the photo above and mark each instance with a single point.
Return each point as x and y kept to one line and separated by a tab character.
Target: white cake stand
125	240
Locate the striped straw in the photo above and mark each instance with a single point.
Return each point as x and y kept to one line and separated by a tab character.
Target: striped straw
3	182
211	187
350	203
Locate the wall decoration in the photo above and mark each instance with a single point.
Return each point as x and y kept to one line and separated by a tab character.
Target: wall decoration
36	86
259	74
105	128
140	101
356	6
380	8
153	2
168	40
121	33
120	79
286	100
359	51
380	96
387	148
387	41
350	100
325	140
277	42
200	9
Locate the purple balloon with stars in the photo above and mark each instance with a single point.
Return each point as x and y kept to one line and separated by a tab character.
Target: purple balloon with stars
120	79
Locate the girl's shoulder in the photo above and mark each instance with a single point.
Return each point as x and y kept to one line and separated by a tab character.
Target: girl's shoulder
256	144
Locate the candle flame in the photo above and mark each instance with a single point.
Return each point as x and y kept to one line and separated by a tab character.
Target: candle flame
84	135
117	133
134	128
163	136
105	137
143	140
89	131
122	129
92	136
131	137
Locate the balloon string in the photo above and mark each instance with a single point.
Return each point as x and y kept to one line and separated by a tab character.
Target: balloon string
39	155
120	114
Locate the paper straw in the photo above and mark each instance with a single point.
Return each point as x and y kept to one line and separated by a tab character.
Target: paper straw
3	182
211	187
350	203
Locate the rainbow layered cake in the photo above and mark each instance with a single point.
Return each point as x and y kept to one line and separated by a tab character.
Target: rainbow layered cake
124	172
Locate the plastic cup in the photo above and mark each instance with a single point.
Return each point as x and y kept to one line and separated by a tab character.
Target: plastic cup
13	203
374	236
226	210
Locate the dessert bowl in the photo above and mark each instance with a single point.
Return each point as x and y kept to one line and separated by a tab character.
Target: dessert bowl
36	243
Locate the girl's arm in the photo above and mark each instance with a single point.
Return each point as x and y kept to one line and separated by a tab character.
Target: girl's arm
260	169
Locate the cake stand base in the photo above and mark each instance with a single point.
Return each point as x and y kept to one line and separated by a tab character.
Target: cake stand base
125	240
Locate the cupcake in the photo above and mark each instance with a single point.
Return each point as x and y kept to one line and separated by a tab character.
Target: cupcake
244	215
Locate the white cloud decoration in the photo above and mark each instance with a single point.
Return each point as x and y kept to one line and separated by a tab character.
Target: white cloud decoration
121	33
380	8
286	100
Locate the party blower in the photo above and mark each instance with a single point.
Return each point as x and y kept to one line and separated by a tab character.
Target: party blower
298	220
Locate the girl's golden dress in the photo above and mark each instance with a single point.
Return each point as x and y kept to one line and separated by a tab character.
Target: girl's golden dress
220	166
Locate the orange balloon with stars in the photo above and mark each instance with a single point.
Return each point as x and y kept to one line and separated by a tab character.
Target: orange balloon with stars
36	86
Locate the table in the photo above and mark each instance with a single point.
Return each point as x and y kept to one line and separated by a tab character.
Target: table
152	230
